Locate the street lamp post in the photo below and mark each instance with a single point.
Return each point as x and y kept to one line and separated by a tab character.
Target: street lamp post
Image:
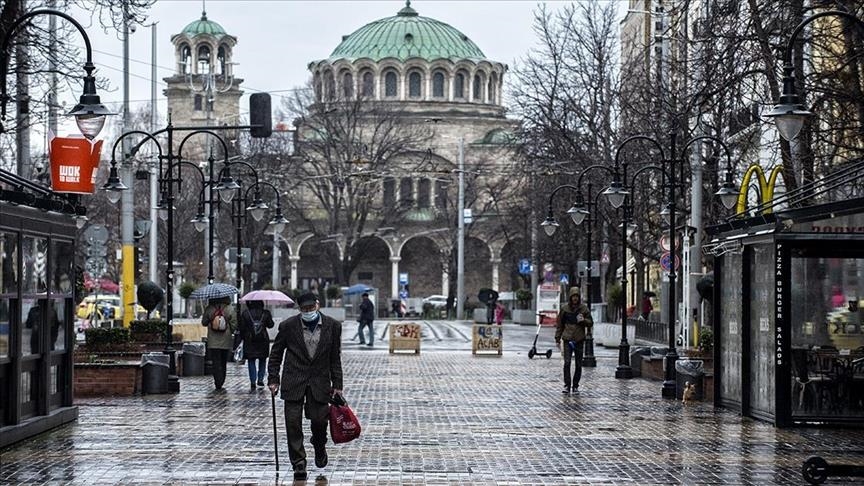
617	193
789	113
227	187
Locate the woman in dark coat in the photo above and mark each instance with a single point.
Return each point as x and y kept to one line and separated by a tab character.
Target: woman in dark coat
254	322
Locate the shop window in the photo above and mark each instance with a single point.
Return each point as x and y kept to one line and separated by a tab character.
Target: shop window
5	317
827	339
62	271
438	85
34	253
391	89
198	102
8	263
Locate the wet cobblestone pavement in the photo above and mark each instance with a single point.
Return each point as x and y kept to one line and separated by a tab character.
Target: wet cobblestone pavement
442	417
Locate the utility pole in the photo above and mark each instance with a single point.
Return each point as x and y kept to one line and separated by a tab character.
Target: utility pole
127	199
22	111
533	230
276	279
52	67
154	166
460	243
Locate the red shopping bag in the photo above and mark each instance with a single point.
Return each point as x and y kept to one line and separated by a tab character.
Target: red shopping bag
344	426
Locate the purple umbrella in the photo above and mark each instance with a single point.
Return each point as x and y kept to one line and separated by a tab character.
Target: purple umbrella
268	297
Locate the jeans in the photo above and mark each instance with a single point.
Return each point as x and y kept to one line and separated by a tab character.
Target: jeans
317	413
371	332
573	350
261	371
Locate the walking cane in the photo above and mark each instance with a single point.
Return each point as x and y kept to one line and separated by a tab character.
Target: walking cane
275	439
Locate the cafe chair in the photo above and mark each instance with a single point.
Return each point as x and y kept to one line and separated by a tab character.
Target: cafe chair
803	380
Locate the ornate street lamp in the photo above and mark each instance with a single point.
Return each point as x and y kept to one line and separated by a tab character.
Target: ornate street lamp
789	113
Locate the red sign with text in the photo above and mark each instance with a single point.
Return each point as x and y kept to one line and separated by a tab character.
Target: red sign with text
73	164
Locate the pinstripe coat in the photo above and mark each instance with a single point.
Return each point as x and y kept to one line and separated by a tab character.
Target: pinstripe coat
321	372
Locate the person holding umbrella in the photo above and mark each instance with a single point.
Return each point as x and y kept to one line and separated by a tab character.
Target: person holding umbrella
309	376
254	322
220	337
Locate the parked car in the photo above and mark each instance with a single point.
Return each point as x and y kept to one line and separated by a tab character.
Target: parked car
105	307
436	301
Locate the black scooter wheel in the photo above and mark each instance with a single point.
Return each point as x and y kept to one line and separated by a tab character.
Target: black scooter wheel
815	470
548	354
531	353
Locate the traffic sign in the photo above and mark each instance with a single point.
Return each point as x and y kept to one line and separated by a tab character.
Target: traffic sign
524	266
664	243
96	234
604	258
96	266
665	260
403	278
245	255
564	279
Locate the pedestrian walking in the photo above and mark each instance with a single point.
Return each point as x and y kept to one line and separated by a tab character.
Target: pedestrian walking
254	322
647	307
499	313
573	320
367	316
221	322
308	377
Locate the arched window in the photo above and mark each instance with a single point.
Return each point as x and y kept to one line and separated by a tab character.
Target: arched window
222	61
329	86
441	188
459	86
406	192
493	88
347	86
424	193
185	59
389	192
197	102
415	85
368	85
438	85
391	89
478	88
316	82
203	60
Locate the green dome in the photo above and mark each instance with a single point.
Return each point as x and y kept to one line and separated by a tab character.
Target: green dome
405	36
203	26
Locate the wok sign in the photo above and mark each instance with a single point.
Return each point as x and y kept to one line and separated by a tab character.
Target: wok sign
74	162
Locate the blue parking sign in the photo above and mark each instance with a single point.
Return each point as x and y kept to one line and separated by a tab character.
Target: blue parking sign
524	266
565	279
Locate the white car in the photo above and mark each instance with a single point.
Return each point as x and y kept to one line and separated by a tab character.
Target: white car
436	301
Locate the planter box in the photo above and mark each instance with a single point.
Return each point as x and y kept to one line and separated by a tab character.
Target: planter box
525	317
337	313
107	379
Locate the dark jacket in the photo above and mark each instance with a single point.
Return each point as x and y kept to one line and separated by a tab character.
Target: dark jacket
322	372
255	345
569	327
367	311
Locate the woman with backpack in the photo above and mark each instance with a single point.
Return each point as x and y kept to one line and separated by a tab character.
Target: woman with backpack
221	321
254	322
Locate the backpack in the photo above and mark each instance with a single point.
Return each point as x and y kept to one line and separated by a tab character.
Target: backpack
257	324
218	323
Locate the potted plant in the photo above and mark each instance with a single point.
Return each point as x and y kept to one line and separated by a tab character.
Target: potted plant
148	330
523	314
334	308
185	291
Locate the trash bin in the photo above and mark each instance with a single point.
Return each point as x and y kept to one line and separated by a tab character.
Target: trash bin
692	371
193	359
155	374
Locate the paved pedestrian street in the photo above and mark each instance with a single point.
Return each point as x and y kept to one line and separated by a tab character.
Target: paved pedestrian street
440	417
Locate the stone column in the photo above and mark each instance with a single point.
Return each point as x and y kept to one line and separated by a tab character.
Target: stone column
294	259
394	277
496	262
445	282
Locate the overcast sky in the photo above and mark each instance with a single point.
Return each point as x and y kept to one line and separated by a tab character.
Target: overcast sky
276	39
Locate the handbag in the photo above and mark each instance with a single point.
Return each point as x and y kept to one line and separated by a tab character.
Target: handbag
238	353
344	425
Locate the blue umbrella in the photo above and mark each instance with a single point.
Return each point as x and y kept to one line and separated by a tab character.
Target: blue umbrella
213	291
357	289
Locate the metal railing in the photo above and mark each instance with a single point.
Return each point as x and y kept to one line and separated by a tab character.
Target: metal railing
650	331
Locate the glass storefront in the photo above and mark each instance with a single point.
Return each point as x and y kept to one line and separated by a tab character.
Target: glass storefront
827	340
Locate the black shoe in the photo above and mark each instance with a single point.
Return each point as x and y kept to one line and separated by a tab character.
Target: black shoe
261	383
300	475
575	390
370	345
320	457
566	390
251	387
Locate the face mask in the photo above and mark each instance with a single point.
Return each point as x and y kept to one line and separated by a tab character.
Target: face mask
309	316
